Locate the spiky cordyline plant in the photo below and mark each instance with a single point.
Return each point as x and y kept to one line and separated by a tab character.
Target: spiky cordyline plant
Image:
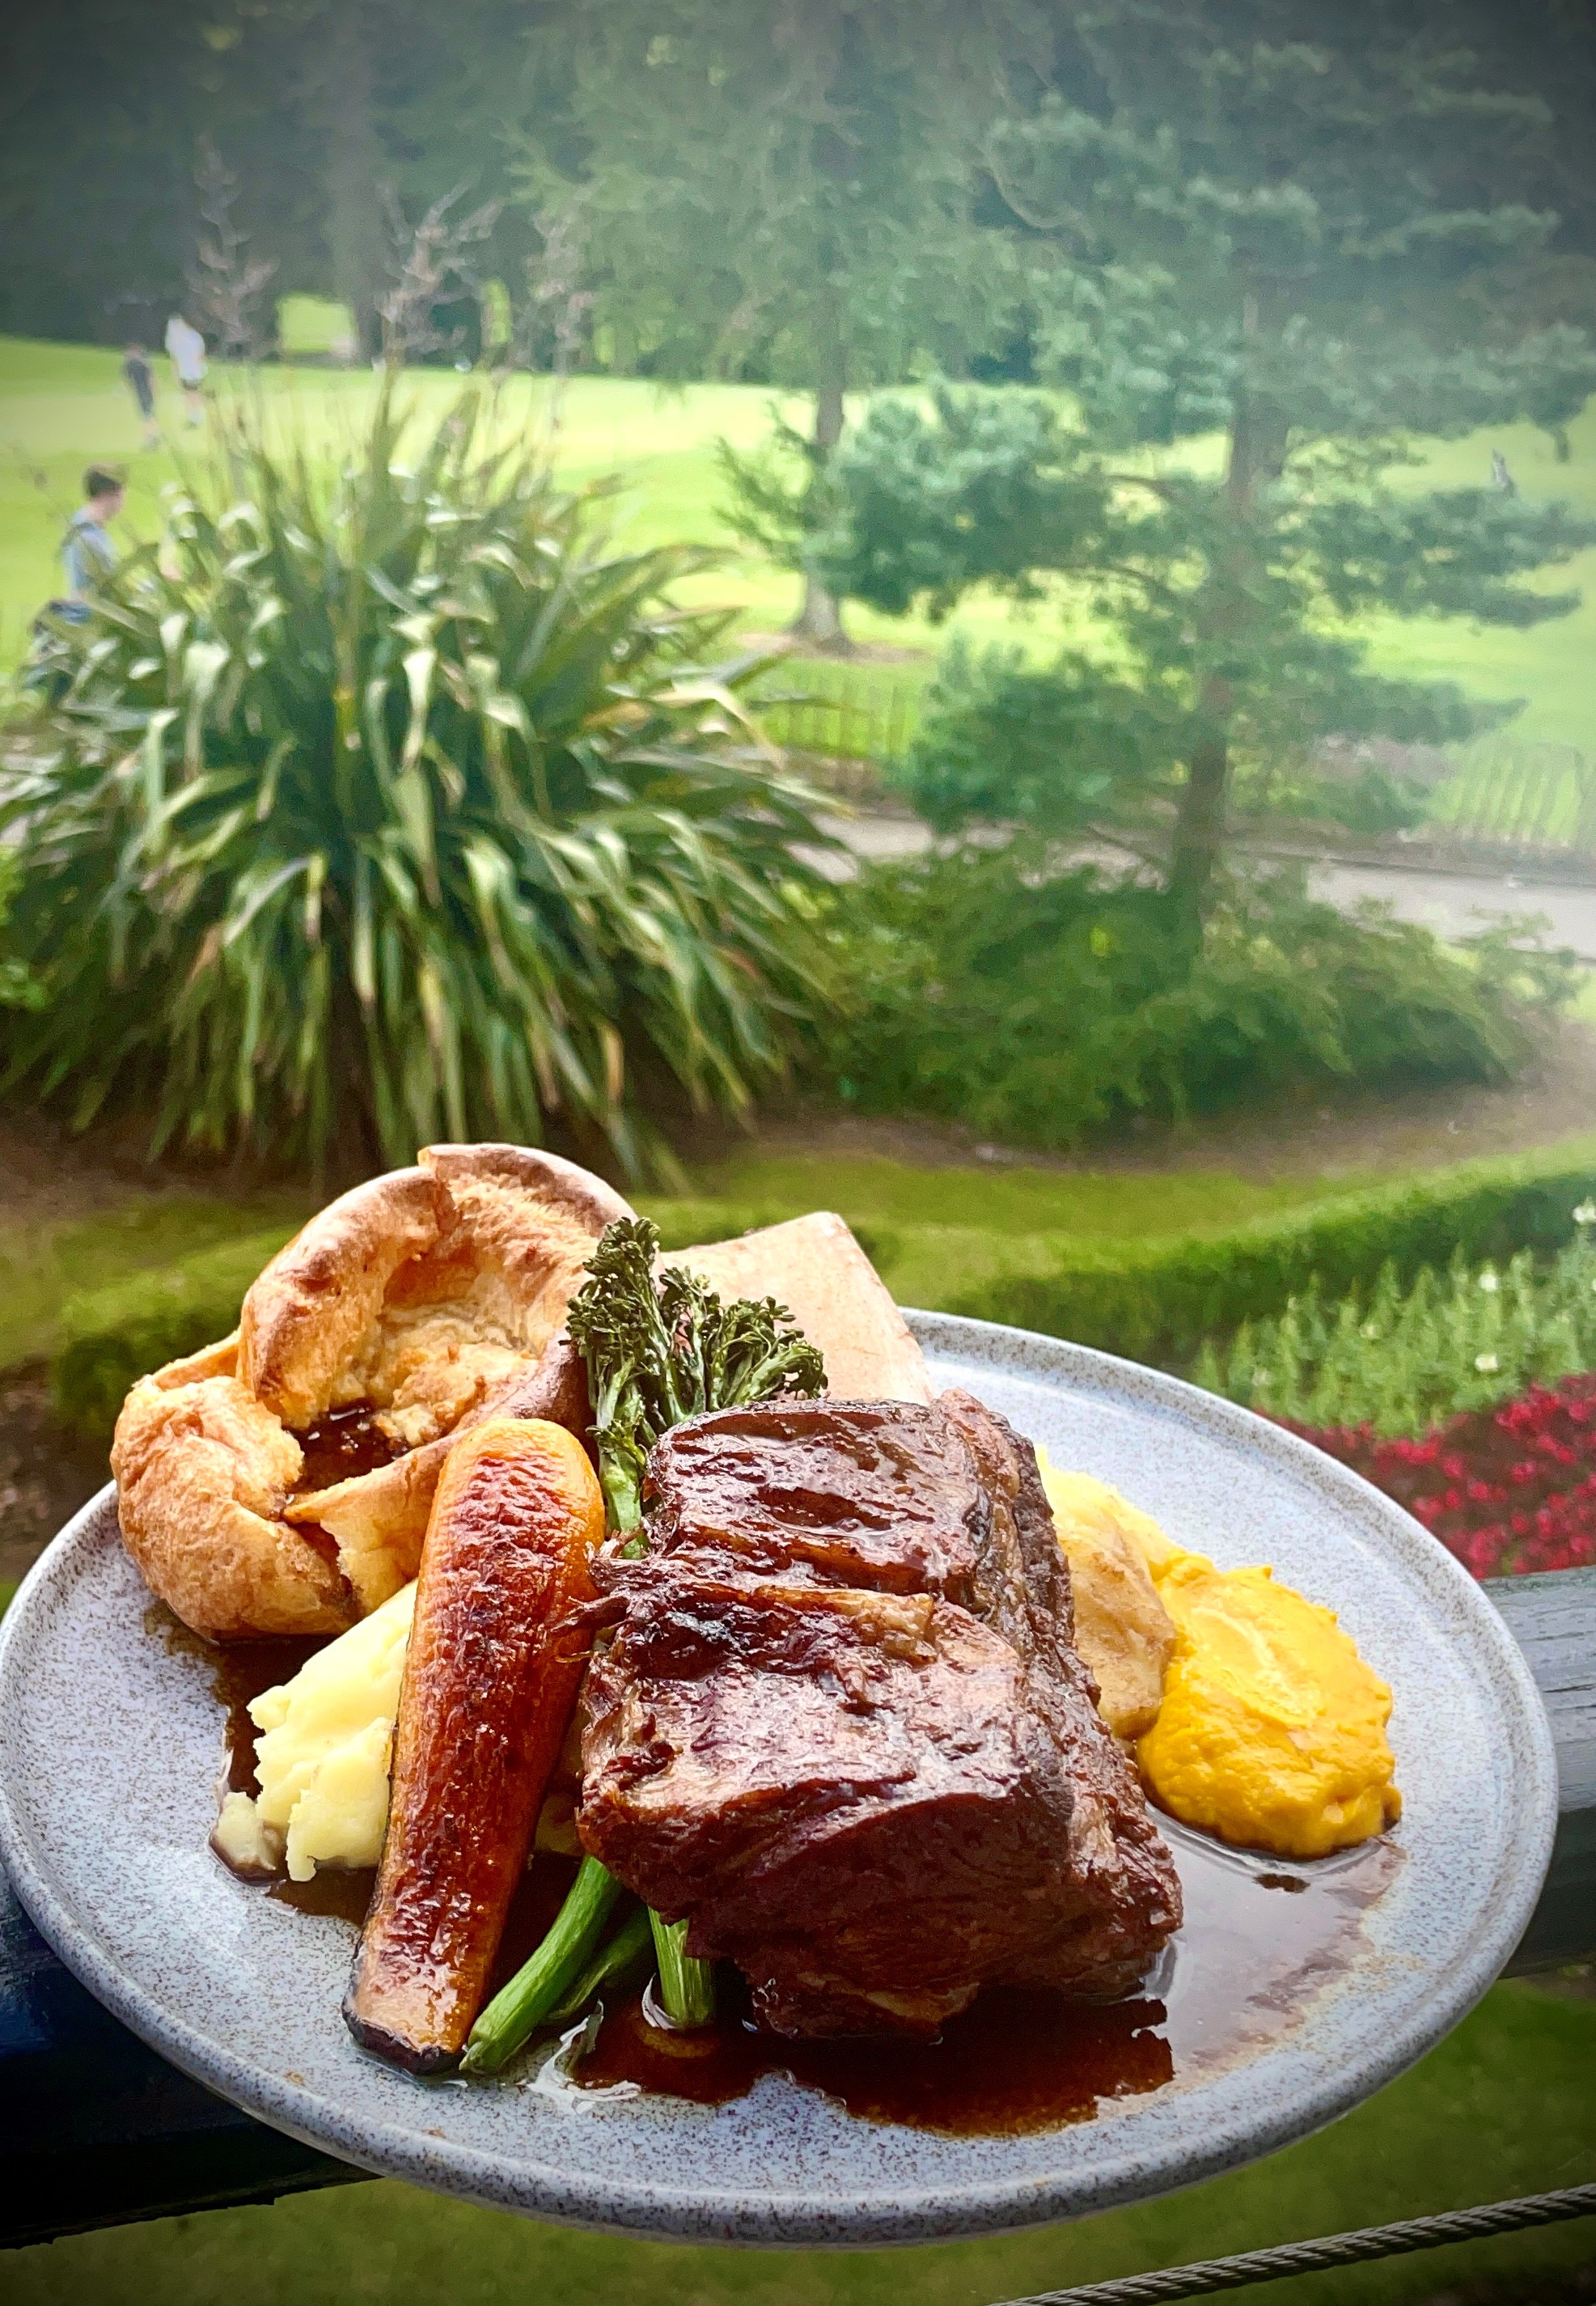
389	802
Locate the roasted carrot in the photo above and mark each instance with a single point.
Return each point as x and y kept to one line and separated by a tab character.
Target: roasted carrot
491	1677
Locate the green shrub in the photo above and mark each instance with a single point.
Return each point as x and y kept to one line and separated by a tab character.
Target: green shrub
1035	1006
389	804
1401	1357
117	1335
19	988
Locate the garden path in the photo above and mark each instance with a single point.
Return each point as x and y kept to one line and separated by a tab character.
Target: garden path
1454	904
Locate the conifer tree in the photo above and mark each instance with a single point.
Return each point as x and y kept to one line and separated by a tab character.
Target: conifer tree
1270	247
786	186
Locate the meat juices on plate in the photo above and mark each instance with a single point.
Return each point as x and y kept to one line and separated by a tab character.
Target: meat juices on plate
842	1726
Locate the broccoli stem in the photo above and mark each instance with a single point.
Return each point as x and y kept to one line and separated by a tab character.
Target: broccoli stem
614	1961
687	1985
538	1985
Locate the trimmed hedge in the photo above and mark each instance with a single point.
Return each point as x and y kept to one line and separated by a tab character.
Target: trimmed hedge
1153	1301
116	1335
1156	1301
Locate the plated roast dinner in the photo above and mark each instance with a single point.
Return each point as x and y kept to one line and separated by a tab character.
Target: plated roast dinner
818	1705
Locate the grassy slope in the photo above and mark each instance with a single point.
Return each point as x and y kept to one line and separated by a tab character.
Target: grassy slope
61	404
1505	2107
43	1263
934	1232
1007	1201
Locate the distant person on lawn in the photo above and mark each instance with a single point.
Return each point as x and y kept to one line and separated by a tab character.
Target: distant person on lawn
87	551
141	383
185	348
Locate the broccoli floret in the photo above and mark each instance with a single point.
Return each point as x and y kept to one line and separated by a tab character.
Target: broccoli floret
660	1350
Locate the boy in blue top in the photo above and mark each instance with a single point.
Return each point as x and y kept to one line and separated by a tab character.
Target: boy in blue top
86	550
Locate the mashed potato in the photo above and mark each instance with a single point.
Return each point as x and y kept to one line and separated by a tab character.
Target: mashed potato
1272	1732
322	1763
1254	1717
324	1759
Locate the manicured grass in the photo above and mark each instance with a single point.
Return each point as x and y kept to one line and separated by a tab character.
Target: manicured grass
62	405
1505	2107
977	1212
42	1264
936	1233
1009	1200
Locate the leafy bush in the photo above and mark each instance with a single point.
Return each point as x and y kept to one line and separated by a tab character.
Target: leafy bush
117	1333
1398	1357
391	803
1035	1006
1064	745
19	988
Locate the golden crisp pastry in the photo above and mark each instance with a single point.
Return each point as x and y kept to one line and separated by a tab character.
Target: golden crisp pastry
426	1296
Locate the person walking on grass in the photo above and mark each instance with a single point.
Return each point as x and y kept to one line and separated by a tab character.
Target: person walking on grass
141	383
87	551
185	348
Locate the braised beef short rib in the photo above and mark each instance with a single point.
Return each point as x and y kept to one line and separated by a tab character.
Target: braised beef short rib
842	1726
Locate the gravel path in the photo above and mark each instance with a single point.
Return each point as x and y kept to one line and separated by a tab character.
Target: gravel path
1456	904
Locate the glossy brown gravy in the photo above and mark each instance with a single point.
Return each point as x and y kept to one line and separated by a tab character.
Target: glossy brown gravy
1261	1936
346	1442
1258	1939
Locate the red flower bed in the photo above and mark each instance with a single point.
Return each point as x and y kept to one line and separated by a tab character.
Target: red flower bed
1508	1491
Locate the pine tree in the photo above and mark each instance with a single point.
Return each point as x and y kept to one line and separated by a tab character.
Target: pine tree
785	187
1291	231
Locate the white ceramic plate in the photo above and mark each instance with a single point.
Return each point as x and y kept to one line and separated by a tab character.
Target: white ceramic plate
110	1742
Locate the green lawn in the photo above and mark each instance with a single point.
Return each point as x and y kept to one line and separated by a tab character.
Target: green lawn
978	1217
1505	2107
1009	1200
42	1263
62	405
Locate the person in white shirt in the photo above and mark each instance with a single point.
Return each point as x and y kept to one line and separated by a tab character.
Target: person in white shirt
185	348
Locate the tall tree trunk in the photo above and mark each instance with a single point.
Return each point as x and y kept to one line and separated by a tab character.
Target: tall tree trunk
819	620
1199	819
1254	451
355	233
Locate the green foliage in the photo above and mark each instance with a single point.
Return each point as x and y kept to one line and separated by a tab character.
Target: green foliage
394	804
778	499
317	107
788	198
977	488
1061	746
117	1333
1401	1357
1035	1006
1002	488
19	988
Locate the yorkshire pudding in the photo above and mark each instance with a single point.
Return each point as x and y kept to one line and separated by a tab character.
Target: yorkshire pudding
418	1299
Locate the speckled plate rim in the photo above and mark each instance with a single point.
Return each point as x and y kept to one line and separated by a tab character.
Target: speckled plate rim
1135	2150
